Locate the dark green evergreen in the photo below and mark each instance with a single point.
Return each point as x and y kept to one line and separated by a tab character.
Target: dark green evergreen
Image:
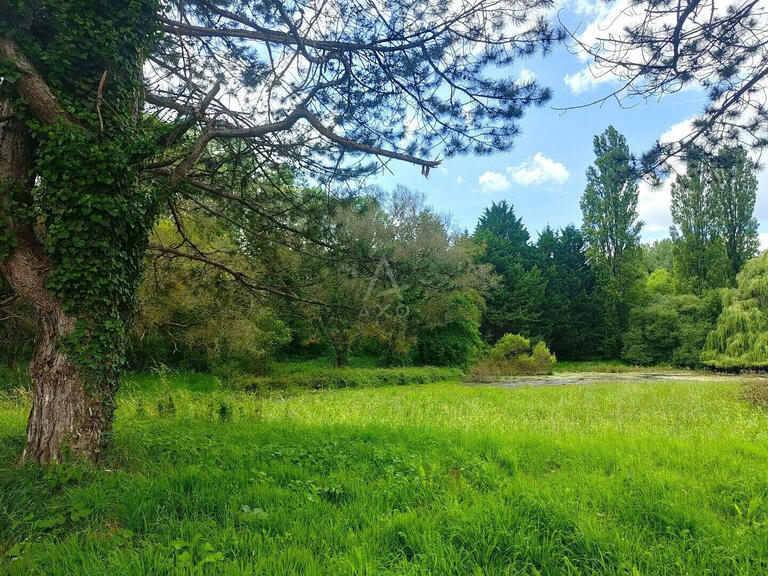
572	317
515	304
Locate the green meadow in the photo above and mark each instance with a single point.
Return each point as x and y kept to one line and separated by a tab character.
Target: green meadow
439	478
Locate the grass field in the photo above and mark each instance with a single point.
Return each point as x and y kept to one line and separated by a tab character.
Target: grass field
663	478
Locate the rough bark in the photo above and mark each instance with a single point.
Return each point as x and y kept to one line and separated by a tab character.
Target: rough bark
64	416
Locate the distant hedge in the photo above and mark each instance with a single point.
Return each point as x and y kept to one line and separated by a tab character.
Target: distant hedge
348	378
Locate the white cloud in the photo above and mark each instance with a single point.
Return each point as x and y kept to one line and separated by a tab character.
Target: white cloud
763	238
677	132
584	80
491	182
460	180
539	170
653	207
526	76
586	7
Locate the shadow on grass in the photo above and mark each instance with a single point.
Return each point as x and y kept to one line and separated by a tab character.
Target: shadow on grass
180	495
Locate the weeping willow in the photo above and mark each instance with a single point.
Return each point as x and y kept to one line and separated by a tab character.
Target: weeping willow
740	338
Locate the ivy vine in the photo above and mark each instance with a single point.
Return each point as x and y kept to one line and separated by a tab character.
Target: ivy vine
95	214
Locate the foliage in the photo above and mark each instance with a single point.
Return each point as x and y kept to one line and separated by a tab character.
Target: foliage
452	338
609	203
611	228
715	229
513	355
660	282
93	217
195	316
740	338
8	242
653	334
97	225
397	275
700	258
669	329
509	347
658	254
572	317
734	186
346	378
515	302
618	295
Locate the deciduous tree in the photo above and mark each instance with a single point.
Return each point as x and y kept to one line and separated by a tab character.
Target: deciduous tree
734	187
699	253
609	204
612	230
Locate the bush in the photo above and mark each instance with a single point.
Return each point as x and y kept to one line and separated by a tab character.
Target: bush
347	378
668	329
756	393
513	355
453	345
509	347
455	338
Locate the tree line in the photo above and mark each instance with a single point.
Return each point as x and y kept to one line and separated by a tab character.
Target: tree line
597	291
386	276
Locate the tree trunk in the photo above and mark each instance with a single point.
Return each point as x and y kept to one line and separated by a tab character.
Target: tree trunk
65	415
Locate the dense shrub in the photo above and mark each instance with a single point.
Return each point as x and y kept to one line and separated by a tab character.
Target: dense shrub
453	338
667	328
756	393
513	355
347	378
653	334
509	347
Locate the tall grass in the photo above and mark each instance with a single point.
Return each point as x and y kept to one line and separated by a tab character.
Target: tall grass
661	478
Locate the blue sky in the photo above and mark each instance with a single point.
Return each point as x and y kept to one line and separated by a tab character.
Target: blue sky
543	175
